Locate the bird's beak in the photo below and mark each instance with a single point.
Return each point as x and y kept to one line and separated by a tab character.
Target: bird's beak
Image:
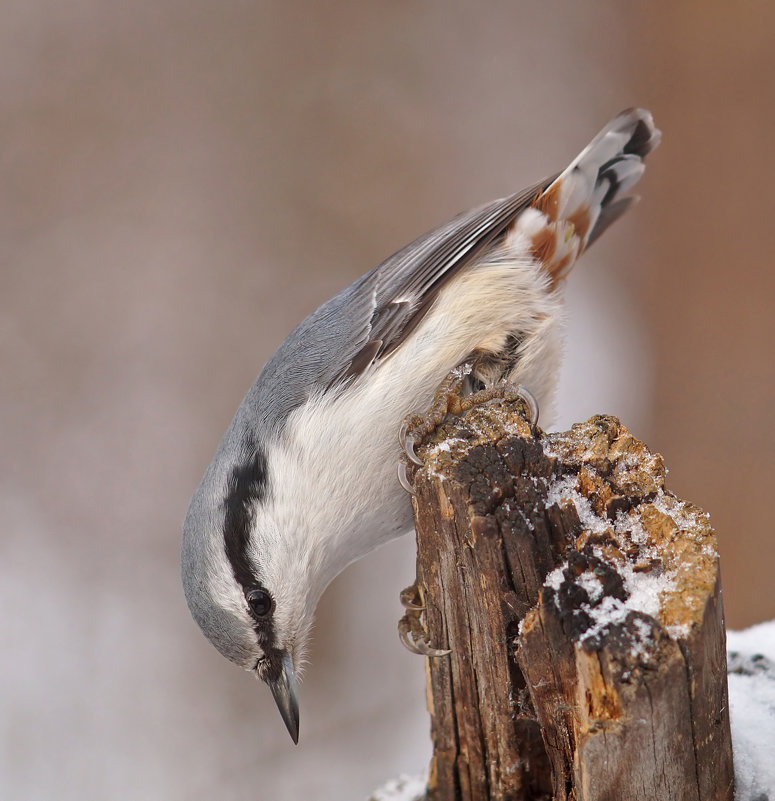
284	691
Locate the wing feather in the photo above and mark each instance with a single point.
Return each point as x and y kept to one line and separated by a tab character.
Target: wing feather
406	284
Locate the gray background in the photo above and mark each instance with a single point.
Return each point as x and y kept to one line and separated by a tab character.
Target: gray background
182	182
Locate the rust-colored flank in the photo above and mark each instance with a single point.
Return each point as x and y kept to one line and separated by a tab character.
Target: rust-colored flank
549	201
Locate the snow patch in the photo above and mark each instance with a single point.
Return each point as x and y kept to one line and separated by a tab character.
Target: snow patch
591	584
445	446
554	579
404	788
752	710
645	589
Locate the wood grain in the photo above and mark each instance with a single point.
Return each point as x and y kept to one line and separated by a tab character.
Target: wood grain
582	605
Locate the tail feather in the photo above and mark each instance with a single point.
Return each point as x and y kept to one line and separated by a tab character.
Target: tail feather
589	195
609	214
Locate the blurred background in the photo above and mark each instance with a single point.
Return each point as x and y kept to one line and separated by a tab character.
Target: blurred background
183	181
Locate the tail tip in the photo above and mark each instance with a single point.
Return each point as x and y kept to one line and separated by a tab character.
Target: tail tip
645	135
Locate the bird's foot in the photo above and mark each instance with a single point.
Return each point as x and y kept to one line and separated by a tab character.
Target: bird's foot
456	396
447	400
508	392
411	599
411	631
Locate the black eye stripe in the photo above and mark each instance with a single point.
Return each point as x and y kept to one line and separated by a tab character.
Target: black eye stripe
247	486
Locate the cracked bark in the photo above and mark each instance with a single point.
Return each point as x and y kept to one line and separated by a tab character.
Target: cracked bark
582	604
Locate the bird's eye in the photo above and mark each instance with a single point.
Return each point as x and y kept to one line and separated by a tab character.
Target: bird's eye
260	602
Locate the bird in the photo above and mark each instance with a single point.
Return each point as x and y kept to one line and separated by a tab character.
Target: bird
303	482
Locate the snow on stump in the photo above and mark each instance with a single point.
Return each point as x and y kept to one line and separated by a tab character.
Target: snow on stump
582	605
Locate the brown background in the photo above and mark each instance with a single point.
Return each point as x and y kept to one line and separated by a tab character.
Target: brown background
182	181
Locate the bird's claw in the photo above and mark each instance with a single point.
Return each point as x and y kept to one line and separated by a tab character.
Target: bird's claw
408	442
411	631
403	479
532	405
413	637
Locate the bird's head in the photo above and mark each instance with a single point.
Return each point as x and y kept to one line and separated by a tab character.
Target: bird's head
249	586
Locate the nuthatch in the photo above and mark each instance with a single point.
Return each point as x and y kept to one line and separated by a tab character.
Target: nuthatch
304	480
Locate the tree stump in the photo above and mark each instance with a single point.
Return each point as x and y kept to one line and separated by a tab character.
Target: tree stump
582	605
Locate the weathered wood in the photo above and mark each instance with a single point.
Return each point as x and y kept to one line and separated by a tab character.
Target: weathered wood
581	602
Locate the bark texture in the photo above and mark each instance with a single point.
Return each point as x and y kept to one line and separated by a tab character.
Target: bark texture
582	605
